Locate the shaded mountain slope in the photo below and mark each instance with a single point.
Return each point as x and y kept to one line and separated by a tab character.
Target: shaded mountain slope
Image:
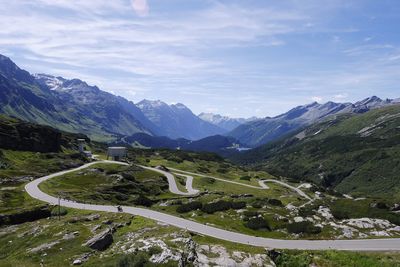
357	153
177	121
270	129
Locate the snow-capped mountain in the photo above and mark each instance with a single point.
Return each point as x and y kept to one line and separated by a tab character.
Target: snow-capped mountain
224	122
52	82
269	129
177	120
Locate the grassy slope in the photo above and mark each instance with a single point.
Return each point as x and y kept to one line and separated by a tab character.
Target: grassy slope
347	161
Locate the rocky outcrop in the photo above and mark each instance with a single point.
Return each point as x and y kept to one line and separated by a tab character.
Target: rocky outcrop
20	135
101	241
26	216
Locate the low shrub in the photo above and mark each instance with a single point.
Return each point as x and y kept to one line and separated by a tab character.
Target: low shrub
222	170
275	202
195	205
203	169
143	201
238	205
258	223
56	211
303	227
245	178
209	180
222	205
138	259
306	211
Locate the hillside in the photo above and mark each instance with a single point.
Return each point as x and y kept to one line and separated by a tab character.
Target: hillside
24	136
177	120
72	106
352	153
267	130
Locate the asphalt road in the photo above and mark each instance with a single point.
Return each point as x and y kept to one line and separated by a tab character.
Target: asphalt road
358	245
173	188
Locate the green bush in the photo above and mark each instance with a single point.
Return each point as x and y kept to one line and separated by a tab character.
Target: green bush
238	205
203	169
245	178
208	180
306	211
258	223
303	227
63	211
275	202
222	205
139	259
195	205
222	170
143	201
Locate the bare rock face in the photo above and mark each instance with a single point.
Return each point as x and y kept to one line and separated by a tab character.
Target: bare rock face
101	241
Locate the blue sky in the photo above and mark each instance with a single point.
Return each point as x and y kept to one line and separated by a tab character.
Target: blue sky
238	58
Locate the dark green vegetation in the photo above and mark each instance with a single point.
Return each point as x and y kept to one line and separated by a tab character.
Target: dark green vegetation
358	154
24	136
212	207
303	227
347	208
123	185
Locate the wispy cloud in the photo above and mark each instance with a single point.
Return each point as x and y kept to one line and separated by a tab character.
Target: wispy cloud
204	53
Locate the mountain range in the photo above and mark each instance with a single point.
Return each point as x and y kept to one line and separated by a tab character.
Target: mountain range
224	122
350	152
262	131
74	106
177	121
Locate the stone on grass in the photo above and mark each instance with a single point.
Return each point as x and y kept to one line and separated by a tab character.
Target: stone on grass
101	241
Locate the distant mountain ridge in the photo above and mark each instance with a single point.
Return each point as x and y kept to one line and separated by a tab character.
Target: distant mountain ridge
270	129
224	122
219	144
177	121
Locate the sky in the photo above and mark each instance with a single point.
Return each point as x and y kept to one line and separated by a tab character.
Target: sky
239	58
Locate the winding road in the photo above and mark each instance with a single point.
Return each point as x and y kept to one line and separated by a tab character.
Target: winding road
33	190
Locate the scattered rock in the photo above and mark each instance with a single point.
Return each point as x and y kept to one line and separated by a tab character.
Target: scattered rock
92	217
70	236
95	228
43	247
298	219
325	212
101	241
77	262
84	257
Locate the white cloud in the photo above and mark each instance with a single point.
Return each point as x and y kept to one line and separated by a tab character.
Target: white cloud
316	98
141	7
341	96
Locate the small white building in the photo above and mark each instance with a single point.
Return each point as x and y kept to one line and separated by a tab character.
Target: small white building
116	153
